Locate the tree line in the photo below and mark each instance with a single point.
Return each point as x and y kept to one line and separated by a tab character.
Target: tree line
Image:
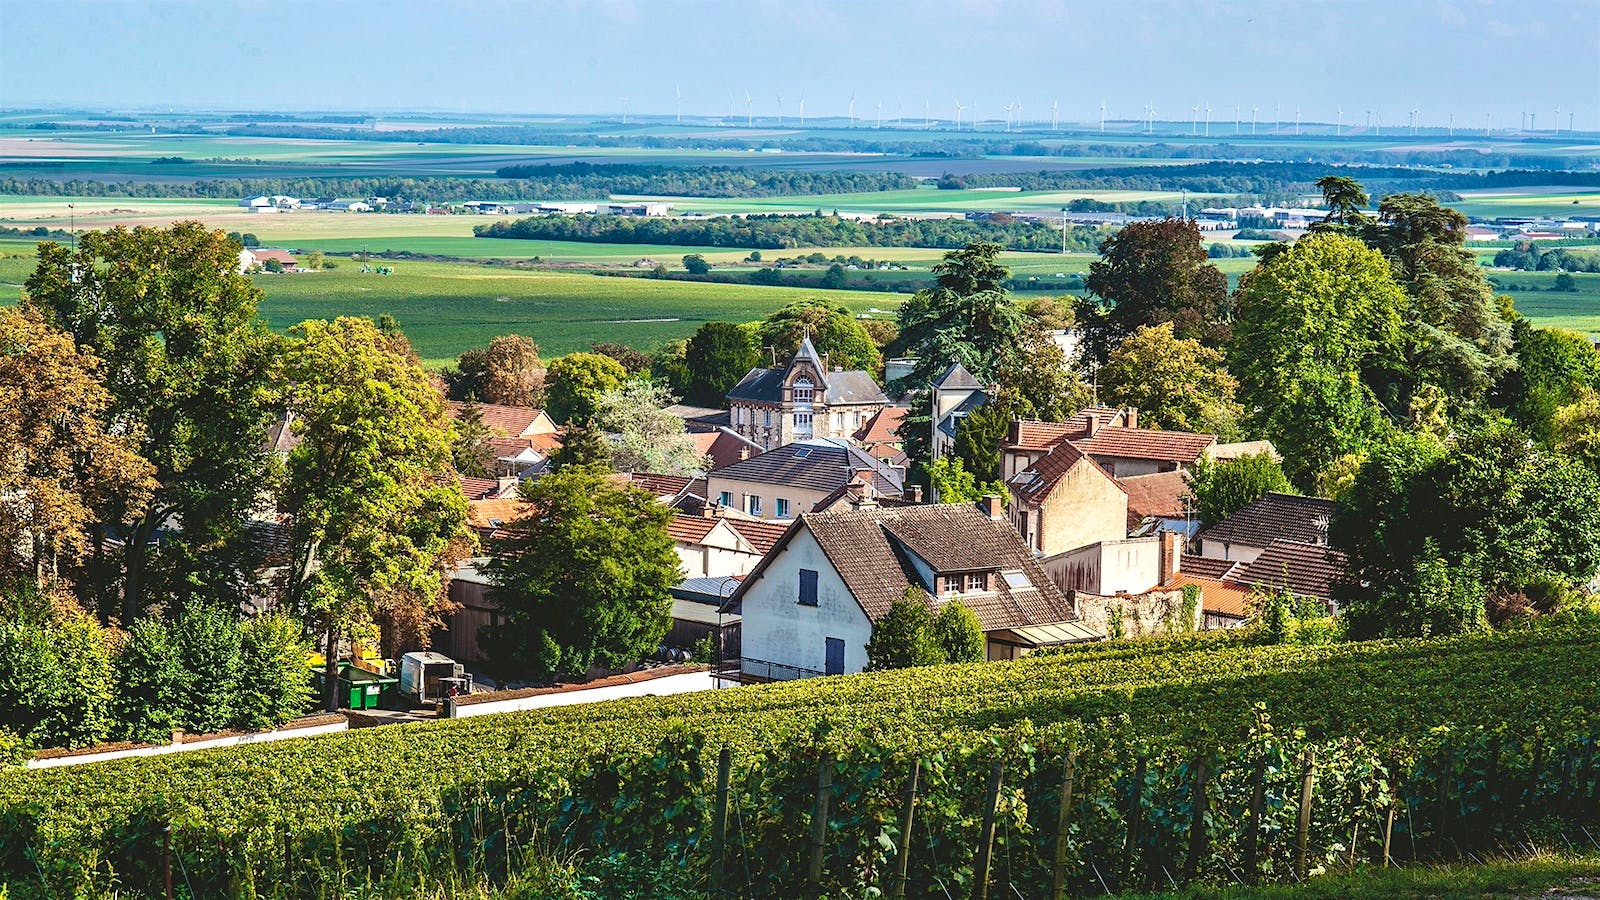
772	231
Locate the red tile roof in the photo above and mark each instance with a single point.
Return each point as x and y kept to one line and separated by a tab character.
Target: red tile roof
883	427
1161	494
723	447
479	488
1146	443
1207	567
510	421
1222	598
690	529
1035	483
761	534
1035	435
659	485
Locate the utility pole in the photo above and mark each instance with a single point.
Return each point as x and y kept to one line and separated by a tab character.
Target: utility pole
1063	231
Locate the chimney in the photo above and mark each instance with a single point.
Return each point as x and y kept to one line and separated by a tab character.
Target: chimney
1130	417
1093	425
916	493
992	507
507	483
1171	556
744	452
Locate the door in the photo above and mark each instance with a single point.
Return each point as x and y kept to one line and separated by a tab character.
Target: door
835	663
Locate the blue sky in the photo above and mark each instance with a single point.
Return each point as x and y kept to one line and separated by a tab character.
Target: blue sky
1469	57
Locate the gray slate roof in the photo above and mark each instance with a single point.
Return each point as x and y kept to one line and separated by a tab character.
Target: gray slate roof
821	464
851	386
1274	517
957	376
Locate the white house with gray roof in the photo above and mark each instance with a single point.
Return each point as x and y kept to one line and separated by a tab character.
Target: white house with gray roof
804	399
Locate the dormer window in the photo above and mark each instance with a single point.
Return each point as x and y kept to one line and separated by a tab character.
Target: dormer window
804	390
963	583
977	581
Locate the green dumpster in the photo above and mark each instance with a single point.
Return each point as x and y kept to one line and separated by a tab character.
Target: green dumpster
360	689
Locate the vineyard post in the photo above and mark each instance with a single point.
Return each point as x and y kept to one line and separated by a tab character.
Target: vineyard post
1135	812
1388	833
908	811
991	803
1252	828
819	819
166	857
1058	866
719	824
1197	822
1303	831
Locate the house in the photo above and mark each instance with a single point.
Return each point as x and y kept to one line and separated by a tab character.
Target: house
803	399
1224	603
261	257
1065	500
711	544
348	205
1159	502
697	614
507	421
880	436
1271	517
954	395
810	607
634	209
723	446
1305	570
789	480
1127	586
1113	438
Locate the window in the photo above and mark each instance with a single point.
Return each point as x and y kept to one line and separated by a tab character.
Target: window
755	505
802	424
1016	578
977	581
726	499
949	584
833	656
838	422
766	418
782	508
804	390
808	587
744	415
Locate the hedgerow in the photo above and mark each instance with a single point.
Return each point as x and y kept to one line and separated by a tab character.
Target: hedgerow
1467	738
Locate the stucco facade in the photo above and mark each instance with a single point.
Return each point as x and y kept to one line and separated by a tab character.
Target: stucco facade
783	638
1085	506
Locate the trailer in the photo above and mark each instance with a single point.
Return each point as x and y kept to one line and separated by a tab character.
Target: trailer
426	677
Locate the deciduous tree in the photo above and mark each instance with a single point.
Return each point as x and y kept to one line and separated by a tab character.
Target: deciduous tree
903	637
575	383
583	582
189	367
833	329
1174	383
648	438
377	520
507	372
1149	273
959	634
1220	489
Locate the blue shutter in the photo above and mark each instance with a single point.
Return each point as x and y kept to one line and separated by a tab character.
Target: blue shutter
808	587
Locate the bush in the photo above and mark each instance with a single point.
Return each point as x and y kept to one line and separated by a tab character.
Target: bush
55	672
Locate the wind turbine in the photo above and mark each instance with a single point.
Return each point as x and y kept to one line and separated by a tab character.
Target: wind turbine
1194	122
1208	119
1557	129
1415	120
1253	110
1019	113
1237	116
1102	117
1055	115
730	106
1297	120
1008	108
749	110
678	89
959	109
1533	122
1377	125
899	111
1452	124
1488	123
1338	124
802	109
1277	121
927	113
780	107
624	109
852	107
880	114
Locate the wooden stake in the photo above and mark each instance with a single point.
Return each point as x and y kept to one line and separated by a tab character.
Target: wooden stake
719	824
991	803
908	811
1058	866
819	819
1303	832
1197	821
1388	833
1252	828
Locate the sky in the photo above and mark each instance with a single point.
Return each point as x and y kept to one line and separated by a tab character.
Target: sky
1469	58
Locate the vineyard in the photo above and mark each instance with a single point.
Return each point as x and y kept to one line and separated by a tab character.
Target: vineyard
1107	768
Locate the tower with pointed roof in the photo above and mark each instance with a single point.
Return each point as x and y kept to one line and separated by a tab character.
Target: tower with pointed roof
956	393
802	399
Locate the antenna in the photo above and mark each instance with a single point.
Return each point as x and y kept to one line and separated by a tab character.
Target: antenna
678	89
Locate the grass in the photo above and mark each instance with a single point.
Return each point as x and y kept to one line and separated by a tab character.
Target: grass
1566	873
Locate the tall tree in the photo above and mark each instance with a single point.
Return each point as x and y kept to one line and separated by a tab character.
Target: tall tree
833	329
635	362
575	383
1315	327
584	583
1347	202
582	446
61	466
1433	530
719	354
188	364
506	372
1220	489
472	448
648	438
1555	369
1149	273
376	517
1173	382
